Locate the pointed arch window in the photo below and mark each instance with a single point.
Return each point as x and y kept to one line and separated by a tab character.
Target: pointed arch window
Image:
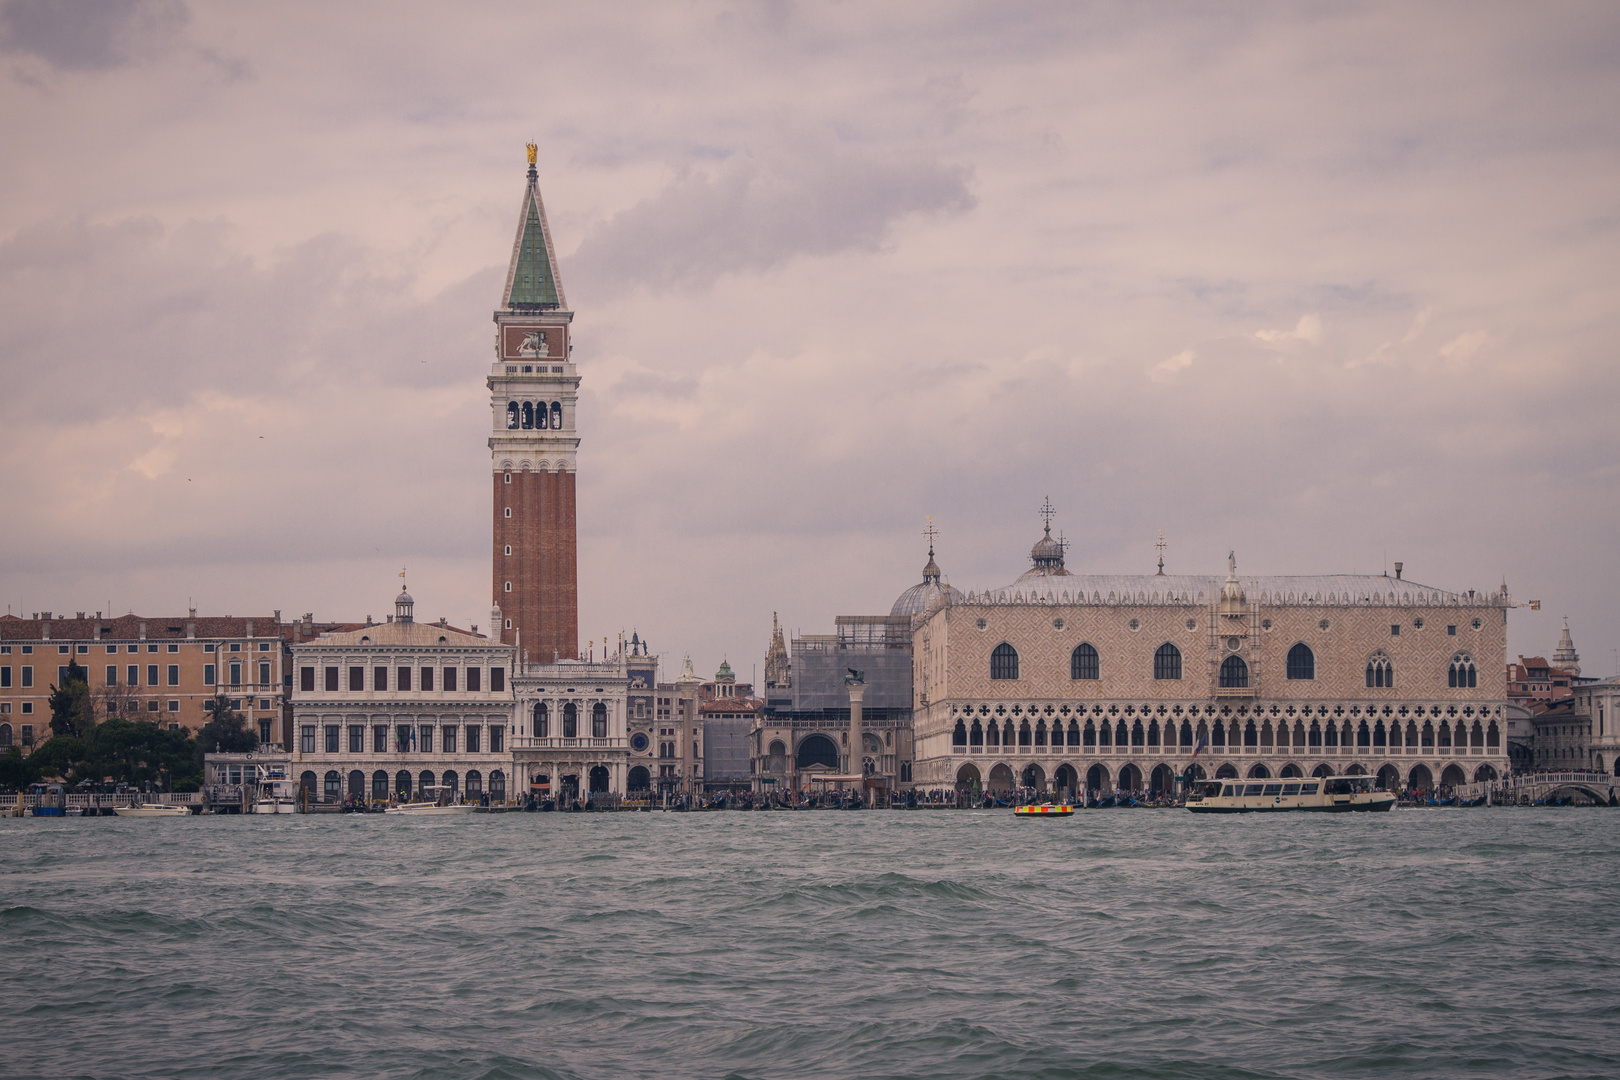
1301	662
1167	662
1462	674
1380	672
1083	662
1234	673
1004	662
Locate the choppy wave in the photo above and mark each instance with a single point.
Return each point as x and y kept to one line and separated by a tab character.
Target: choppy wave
761	946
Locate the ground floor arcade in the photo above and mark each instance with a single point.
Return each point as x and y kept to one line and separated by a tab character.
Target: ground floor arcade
570	777
1157	773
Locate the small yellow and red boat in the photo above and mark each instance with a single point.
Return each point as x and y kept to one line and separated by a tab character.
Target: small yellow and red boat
1042	811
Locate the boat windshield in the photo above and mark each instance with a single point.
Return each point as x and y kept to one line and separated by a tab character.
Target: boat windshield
1349	785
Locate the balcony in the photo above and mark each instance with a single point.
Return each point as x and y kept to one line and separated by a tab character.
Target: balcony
530	742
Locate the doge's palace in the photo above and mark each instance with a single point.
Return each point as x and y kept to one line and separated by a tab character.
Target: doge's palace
1097	681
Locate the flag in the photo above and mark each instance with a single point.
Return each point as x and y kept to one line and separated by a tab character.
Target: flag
1203	741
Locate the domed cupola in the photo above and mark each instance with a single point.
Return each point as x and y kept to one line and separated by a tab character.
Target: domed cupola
1047	554
919	598
403	607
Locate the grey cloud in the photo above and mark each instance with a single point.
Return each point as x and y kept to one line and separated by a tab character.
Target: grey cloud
805	194
90	35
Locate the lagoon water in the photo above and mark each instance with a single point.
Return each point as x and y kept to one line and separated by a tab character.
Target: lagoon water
1117	944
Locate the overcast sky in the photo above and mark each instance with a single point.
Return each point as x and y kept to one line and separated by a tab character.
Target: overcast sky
1330	285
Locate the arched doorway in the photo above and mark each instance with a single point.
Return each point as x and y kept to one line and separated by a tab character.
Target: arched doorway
1130	778
817	750
599	779
1227	771
641	780
357	784
1034	777
1453	776
1259	772
569	787
1357	769
379	785
307	781
1420	777
334	786
1001	778
475	783
451	781
1485	774
1195	771
967	779
1389	778
1161	781
426	781
497	786
1097	778
402	784
1066	779
1291	771
1322	770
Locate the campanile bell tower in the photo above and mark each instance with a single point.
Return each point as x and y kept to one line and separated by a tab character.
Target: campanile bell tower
533	388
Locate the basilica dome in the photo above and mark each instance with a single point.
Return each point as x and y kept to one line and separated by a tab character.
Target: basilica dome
1047	557
919	598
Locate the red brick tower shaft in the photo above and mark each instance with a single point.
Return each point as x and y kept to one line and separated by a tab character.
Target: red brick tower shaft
533	391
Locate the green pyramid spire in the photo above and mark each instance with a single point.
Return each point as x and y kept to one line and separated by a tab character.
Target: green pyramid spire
532	280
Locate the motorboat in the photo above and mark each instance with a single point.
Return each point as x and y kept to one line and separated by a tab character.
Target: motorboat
1043	811
277	795
153	810
1328	794
439	800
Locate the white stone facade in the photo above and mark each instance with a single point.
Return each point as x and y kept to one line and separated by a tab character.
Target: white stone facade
382	711
572	737
1596	706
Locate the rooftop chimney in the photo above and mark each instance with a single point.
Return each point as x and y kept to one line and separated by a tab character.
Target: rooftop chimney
45	625
1398	566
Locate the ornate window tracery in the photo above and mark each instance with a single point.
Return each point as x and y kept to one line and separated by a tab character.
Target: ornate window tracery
1301	662
1083	662
1167	662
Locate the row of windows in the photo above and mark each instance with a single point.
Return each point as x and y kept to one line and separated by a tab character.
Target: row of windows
570	721
156	675
1375	735
533	414
403	678
333	784
1086	665
151	647
401	738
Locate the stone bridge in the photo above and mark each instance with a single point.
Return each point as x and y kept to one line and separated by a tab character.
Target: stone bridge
1532	787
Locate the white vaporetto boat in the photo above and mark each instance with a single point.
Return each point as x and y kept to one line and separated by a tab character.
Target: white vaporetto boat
1330	794
153	810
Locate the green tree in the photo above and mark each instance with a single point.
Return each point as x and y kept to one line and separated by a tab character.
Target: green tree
227	732
56	756
16	771
72	711
138	752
